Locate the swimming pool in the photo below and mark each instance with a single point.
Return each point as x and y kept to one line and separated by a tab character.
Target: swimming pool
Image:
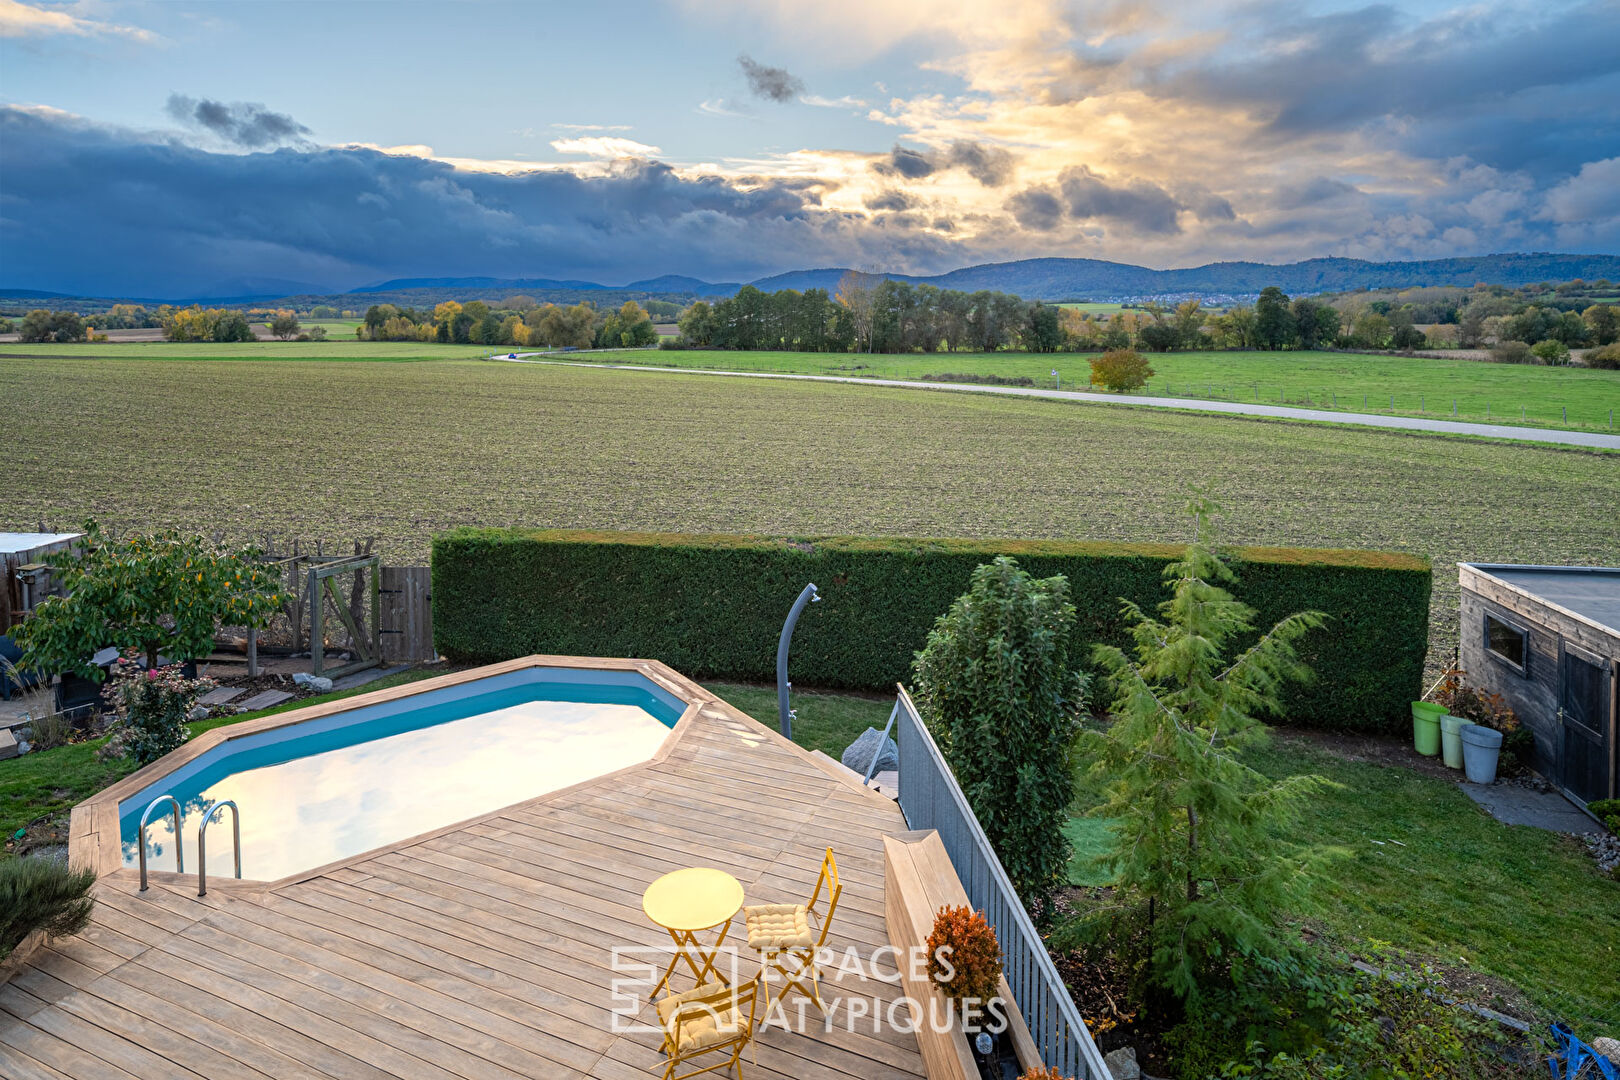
320	790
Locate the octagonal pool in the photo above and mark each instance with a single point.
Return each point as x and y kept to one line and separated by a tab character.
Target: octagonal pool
320	790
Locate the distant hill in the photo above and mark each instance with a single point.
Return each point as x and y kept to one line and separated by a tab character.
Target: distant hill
1033	279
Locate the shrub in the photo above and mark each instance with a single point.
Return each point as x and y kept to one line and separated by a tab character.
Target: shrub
1511	352
41	894
1198	839
1550	352
152	706
162	591
1041	1072
1608	812
50	731
1492	711
1119	370
713	605
1607	358
996	686
964	958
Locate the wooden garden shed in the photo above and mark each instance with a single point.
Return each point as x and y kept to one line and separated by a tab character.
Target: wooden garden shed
20	586
1547	638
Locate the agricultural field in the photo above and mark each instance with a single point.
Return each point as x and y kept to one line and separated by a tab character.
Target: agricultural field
342	346
400	451
1350	382
1091	307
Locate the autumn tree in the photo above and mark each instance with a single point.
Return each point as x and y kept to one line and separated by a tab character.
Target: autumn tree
856	293
284	325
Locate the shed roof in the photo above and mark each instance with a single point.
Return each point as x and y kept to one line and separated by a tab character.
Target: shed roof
15	543
1589	591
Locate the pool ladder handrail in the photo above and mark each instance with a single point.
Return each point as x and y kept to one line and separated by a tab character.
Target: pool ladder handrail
202	841
179	848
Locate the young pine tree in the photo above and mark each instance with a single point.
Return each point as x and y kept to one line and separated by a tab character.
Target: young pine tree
1198	849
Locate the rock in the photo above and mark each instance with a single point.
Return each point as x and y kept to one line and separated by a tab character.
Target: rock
314	682
1122	1064
871	742
198	712
1609	1048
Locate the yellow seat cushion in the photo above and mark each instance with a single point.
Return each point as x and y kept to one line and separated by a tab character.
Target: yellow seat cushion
778	926
701	1025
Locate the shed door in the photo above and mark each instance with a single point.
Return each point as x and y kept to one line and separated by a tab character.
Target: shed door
1584	712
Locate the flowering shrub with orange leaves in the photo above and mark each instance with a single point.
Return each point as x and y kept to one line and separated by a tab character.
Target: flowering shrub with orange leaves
1488	710
964	957
1041	1072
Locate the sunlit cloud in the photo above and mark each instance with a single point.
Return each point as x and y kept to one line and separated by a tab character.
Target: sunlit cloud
31	20
604	146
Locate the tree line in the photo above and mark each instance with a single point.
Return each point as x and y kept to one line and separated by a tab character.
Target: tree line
581	326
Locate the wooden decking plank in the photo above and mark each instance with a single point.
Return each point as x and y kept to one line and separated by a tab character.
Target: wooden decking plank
175	1006
401	1031
530	1002
147	1032
267	1041
557	1041
121	1056
480	951
248	987
15	1066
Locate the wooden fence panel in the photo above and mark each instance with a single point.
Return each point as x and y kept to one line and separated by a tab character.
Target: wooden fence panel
406	615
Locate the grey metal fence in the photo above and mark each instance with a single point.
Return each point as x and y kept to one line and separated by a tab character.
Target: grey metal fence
931	799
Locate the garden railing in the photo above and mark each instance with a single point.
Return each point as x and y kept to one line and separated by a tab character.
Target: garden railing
931	799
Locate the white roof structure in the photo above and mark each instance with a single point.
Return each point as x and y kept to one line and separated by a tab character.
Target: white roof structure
15	543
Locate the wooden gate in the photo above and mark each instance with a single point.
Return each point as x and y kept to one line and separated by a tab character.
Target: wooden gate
405	617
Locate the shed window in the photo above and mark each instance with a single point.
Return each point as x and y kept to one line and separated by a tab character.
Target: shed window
1507	642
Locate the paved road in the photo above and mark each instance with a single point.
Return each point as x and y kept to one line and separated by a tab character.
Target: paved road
1586	439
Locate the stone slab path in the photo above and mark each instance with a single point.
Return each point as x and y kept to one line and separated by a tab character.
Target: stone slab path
1515	805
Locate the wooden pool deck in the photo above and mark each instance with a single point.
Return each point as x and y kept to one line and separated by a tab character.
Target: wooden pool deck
480	951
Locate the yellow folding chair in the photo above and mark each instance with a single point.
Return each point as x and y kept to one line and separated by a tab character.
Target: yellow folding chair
711	1018
781	934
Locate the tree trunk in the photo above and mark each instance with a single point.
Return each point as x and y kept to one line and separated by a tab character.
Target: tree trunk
1192	851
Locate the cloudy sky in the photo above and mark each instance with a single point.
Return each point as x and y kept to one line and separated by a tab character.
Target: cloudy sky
179	148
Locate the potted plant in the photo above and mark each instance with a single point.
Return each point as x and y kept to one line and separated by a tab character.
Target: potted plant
964	960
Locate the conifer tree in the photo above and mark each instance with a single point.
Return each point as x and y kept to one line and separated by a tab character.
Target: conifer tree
1198	849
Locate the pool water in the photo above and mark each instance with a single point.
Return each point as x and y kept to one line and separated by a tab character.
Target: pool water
323	790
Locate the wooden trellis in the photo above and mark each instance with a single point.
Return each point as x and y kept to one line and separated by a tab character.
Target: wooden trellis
363	624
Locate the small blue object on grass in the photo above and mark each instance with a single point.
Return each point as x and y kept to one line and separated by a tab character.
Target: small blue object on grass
1576	1059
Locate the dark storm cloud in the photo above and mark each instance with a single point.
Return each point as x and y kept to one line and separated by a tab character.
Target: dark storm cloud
241	123
892	199
770	83
1136	204
989	165
1475	80
95	209
1038	209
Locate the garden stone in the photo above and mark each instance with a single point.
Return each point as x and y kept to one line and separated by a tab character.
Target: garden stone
872	742
1122	1064
314	682
1609	1048
198	712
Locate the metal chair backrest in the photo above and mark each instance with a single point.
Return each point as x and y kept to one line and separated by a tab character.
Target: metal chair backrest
835	888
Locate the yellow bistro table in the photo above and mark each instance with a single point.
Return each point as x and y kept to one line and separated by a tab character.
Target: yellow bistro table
687	901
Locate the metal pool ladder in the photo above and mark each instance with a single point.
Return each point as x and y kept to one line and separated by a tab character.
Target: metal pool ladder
202	842
179	848
202	838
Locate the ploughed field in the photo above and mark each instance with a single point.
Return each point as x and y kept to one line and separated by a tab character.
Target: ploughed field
399	451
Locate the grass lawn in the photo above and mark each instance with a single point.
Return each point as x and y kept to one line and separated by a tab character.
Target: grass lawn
1347	382
1428	871
825	722
50	782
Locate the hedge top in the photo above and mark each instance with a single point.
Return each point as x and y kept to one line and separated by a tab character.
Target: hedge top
989	548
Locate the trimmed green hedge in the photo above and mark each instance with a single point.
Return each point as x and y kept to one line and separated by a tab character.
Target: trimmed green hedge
712	606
